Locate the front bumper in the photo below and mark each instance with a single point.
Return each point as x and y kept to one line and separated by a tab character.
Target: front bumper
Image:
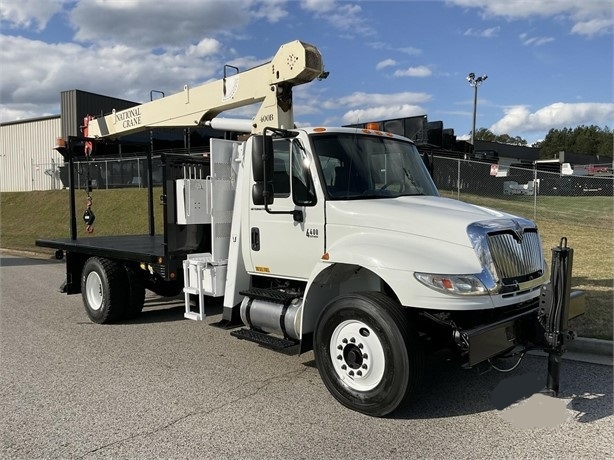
487	341
525	328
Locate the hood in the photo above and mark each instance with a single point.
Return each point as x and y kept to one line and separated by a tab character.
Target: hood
425	216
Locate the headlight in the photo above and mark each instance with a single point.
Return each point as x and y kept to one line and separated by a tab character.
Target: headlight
453	284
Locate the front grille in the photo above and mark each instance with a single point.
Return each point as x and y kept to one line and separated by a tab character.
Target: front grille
517	257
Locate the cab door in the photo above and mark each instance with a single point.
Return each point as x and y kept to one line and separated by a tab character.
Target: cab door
284	244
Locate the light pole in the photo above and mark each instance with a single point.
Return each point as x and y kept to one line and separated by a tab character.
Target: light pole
475	82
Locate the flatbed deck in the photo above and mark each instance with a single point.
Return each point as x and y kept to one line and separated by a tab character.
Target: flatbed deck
140	248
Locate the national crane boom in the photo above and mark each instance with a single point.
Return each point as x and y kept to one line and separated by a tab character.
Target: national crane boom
294	64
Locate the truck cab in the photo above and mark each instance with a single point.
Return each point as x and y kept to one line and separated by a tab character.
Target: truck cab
344	222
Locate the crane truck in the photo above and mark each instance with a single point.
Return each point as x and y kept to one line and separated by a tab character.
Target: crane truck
328	239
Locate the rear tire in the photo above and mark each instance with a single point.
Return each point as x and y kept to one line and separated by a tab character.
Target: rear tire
136	297
103	286
367	352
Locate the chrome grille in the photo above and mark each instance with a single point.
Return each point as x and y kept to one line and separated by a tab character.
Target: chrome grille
516	257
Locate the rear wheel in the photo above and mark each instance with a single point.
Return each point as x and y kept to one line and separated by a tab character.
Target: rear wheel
136	297
103	286
367	353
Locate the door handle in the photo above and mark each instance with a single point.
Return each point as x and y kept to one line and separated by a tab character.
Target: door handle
255	239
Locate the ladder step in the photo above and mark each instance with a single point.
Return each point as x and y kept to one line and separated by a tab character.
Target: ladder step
270	295
264	339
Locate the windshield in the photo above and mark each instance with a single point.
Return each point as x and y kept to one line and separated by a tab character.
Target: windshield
356	166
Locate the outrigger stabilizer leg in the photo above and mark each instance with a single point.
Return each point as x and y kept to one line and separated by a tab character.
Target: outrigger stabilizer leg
555	313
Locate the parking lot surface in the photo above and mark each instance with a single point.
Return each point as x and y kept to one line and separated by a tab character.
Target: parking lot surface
161	386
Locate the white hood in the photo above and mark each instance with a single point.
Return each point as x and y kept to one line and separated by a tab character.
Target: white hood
426	216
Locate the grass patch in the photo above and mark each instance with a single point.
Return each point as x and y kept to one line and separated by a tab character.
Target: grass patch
26	216
587	222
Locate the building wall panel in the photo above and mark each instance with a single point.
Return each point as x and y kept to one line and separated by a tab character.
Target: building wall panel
28	160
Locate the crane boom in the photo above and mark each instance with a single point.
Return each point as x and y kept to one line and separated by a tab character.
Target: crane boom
295	63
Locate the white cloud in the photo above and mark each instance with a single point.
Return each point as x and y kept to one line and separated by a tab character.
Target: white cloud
381	113
412	51
484	33
534	41
420	71
271	10
99	70
361	99
592	27
385	63
586	16
206	47
557	115
29	13
376	106
142	23
26	111
344	16
318	6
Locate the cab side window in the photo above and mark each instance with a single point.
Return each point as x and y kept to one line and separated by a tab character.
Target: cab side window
290	175
303	192
281	168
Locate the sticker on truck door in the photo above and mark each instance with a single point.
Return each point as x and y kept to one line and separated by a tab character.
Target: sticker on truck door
311	233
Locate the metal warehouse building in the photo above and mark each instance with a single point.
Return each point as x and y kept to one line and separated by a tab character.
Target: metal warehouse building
28	160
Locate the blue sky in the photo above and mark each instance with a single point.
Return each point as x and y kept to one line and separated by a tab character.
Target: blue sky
549	63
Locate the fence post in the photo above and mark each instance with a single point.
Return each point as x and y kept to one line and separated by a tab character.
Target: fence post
535	186
53	186
458	178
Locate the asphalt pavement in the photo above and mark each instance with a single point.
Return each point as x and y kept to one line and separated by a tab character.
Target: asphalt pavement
161	386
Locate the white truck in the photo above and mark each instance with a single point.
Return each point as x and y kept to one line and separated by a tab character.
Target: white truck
331	239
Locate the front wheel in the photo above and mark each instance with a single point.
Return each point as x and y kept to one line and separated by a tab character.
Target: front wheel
367	353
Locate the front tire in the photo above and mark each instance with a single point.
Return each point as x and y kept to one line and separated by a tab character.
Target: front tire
103	285
367	353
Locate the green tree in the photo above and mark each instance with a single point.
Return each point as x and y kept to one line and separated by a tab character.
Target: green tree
484	134
591	140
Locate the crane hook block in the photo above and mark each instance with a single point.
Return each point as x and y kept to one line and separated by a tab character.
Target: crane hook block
89	216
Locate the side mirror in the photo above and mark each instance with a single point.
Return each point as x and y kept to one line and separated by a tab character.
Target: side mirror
262	158
259	198
262	170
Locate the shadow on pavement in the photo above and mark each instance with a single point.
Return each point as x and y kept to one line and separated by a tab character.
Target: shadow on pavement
10	261
450	391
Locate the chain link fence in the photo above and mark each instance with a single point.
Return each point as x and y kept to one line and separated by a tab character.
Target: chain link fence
521	190
108	174
515	187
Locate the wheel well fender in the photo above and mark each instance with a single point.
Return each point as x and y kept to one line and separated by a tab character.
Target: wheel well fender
331	280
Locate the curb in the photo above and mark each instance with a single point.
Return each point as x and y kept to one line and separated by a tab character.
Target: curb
592	346
586	350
